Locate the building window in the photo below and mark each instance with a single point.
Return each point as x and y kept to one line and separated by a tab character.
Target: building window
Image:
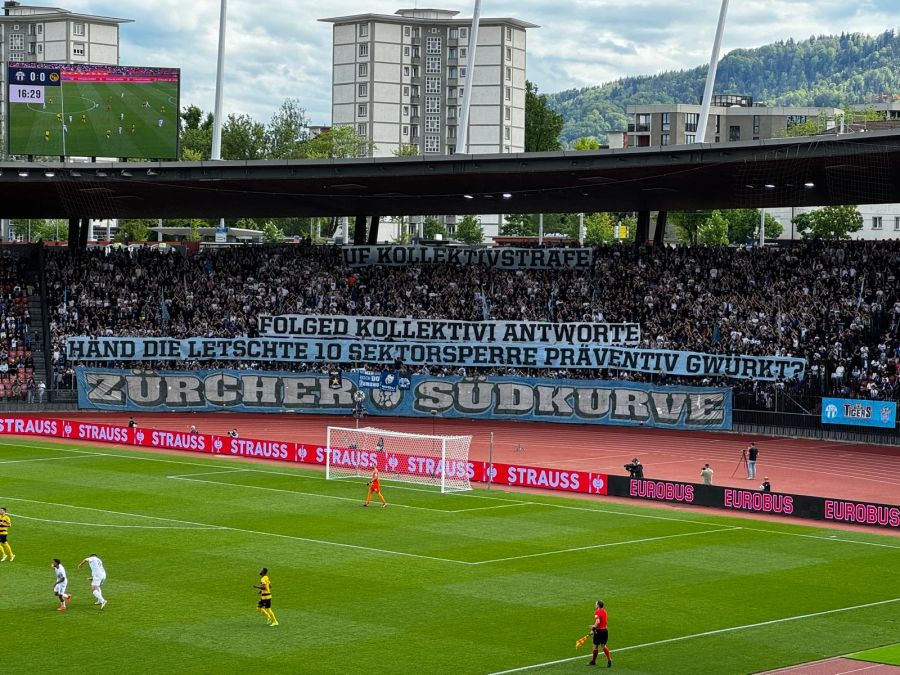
451	133
415	71
406	51
896	223
406	31
432	124
664	139
78	29
508	34
756	125
413	130
507	113
463	33
432	104
452	53
362	129
691	120
16	42
463	52
432	144
508	74
362	89
415	31
718	124
452	72
415	52
432	85
364	50
462	72
508	94
876	222
405	71
406	91
414	110
451	112
40	49
643	122
415	90
31	29
734	133
433	64
405	131
454	33
506	135
666	125
690	138
363	69
362	110
363	30
31	48
406	111
794	120
78	48
433	44
434	30
509	53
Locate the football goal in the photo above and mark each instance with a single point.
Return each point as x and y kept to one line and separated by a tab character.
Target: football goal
442	461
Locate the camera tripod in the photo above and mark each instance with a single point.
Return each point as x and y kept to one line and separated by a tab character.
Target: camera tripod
742	462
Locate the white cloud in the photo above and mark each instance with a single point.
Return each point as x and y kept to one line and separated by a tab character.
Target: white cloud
278	49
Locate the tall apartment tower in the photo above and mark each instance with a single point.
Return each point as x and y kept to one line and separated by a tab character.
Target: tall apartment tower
36	33
399	80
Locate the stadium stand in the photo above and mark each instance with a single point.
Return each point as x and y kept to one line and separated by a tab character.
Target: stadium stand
837	304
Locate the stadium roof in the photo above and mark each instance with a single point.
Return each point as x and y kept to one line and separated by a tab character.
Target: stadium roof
850	169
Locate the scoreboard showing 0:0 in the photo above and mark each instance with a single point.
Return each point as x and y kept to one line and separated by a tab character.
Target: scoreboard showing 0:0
26	94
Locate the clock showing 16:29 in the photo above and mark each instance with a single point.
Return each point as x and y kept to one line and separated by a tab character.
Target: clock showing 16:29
26	93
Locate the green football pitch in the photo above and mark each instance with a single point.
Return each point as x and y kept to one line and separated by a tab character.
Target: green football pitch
479	582
101	120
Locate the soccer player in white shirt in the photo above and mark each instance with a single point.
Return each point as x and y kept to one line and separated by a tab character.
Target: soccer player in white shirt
59	586
98	576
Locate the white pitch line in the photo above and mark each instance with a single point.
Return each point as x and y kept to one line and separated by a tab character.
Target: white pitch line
130	527
210	526
606	545
190	479
718	631
51	459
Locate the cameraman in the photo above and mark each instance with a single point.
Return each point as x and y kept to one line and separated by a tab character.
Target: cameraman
707	474
635	469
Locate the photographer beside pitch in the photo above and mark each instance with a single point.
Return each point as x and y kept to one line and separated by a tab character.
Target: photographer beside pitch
635	469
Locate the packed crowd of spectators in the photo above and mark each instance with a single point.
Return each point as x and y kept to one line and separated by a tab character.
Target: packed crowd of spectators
16	339
836	304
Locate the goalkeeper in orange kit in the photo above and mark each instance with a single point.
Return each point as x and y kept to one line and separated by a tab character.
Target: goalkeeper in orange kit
375	487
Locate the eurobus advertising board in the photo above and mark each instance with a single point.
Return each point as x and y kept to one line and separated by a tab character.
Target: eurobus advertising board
60	109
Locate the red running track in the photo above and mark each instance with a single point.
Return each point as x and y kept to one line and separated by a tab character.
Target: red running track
798	466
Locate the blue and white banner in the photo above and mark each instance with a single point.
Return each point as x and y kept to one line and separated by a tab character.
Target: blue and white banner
436	354
859	412
529	399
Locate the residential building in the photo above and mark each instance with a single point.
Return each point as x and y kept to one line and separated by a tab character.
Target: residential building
34	33
399	80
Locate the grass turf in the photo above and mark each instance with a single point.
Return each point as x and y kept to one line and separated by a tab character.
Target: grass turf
98	133
889	655
473	583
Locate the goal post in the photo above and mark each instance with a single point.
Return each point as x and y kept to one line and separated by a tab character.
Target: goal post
441	461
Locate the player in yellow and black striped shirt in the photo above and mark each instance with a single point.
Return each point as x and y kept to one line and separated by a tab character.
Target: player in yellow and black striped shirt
265	597
5	522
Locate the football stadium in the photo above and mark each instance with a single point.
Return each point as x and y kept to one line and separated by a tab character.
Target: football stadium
342	451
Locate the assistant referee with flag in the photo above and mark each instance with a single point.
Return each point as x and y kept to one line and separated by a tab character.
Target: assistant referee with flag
601	635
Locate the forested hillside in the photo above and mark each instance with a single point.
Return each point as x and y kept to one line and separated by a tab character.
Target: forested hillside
822	71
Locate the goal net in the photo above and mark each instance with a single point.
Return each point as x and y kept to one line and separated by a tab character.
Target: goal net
442	461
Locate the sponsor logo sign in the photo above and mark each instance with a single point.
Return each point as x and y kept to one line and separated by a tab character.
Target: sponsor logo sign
859	412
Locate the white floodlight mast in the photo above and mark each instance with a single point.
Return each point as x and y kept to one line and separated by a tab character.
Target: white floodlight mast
711	75
220	76
462	138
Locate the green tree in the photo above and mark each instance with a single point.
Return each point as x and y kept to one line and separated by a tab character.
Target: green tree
286	135
687	224
714	230
743	225
830	222
542	124
519	225
39	229
338	143
598	229
243	138
432	226
272	234
134	230
469	231
586	143
194	234
196	134
406	150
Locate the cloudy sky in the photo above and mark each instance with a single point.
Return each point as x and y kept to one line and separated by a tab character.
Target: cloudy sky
277	48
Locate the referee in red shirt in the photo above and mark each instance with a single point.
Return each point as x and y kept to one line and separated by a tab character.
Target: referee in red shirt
601	635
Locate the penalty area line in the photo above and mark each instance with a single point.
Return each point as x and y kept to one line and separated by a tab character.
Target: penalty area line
718	631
